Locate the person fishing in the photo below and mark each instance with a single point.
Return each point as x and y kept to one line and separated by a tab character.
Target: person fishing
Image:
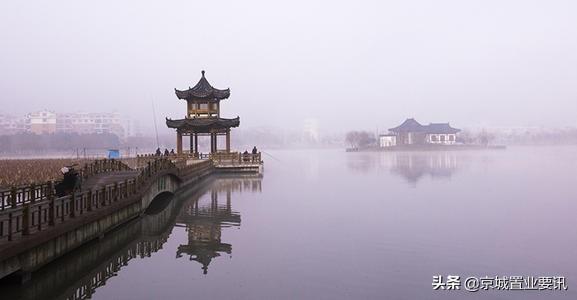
71	181
245	155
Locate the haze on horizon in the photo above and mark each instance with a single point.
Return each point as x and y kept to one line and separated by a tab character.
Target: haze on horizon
350	65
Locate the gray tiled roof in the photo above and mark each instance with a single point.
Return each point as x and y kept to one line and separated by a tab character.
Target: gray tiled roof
202	90
203	123
411	125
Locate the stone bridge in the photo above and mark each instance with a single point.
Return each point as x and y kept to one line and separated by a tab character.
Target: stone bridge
37	227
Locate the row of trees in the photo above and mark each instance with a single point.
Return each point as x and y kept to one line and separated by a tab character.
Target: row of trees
360	139
30	142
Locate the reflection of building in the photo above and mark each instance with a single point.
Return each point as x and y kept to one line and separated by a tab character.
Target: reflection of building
414	166
205	218
412	132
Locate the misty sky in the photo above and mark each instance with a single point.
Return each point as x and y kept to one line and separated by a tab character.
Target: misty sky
349	64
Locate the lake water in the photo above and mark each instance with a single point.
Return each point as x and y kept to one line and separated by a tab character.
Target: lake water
325	224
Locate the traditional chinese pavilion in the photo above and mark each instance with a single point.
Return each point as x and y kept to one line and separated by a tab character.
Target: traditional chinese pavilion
202	116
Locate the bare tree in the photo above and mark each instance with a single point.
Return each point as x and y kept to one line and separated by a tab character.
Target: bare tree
360	139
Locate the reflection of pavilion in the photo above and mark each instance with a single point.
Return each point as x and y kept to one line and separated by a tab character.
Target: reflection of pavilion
204	220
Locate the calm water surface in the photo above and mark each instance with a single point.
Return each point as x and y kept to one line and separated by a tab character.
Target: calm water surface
325	224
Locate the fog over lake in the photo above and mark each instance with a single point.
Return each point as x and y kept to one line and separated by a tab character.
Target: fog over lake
361	64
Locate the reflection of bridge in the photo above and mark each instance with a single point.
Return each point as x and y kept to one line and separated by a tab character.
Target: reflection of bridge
79	274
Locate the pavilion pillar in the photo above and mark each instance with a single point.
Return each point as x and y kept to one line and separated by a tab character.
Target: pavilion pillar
211	142
191	143
195	143
178	142
228	140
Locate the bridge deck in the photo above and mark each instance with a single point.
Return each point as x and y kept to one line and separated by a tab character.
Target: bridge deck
108	178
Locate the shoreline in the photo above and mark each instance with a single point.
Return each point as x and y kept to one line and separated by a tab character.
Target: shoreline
407	148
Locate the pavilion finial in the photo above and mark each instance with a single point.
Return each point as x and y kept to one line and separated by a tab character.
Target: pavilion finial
202	72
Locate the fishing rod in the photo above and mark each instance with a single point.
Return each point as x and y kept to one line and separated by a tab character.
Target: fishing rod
155	127
271	156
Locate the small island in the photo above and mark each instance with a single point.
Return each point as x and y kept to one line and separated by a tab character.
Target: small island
412	135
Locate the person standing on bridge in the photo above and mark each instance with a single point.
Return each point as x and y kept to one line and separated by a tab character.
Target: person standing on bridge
254	152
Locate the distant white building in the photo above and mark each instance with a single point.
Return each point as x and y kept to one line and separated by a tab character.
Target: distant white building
42	122
311	130
85	123
387	140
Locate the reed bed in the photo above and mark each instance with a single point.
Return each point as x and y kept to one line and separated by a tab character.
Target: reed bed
19	172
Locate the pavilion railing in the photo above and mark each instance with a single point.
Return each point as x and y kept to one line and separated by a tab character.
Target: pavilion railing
236	158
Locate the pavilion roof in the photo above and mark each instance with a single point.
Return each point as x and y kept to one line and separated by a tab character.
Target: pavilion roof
202	91
199	124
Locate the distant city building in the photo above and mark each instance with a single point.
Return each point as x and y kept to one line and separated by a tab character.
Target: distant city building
412	132
85	123
12	125
47	122
42	122
311	130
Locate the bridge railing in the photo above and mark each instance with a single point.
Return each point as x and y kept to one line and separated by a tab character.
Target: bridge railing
103	166
20	195
26	212
16	196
